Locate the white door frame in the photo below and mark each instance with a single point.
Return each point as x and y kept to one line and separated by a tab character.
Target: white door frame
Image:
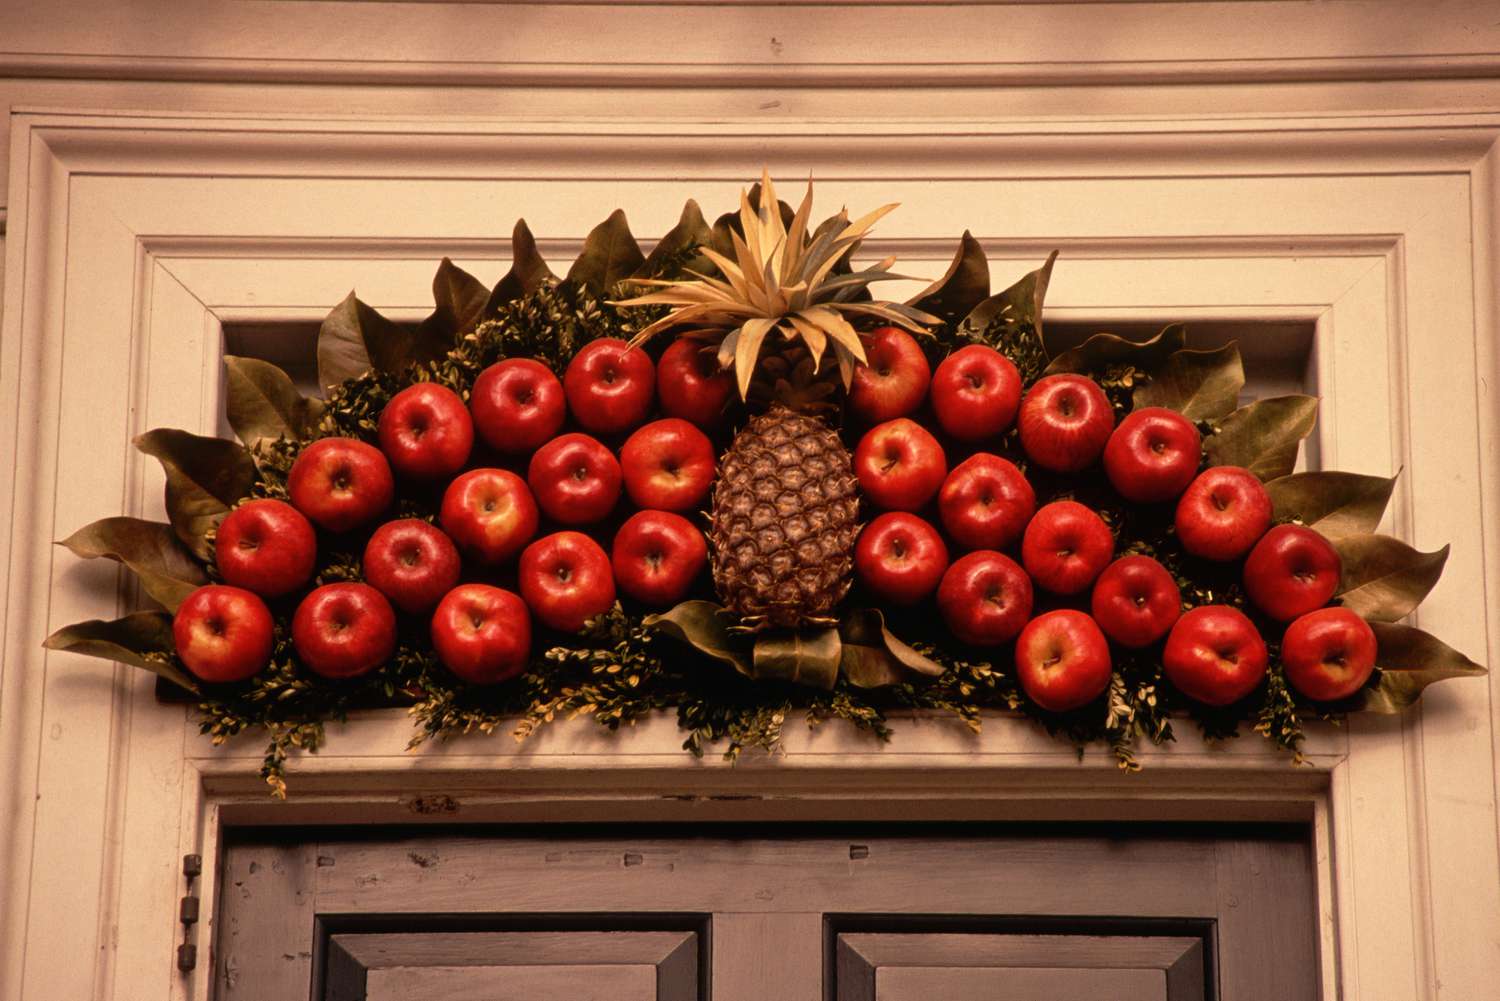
134	239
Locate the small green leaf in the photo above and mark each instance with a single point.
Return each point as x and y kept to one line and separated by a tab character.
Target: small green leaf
1335	504
1103	350
459	299
355	338
1200	385
610	254
874	657
1408	660
690	233
205	478
527	270
262	402
167	571
142	639
802	656
702	626
1264	436
965	284
1384	578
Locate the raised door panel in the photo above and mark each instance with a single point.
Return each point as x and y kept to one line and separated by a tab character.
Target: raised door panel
920	983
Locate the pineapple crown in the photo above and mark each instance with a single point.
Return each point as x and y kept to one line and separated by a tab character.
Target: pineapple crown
782	280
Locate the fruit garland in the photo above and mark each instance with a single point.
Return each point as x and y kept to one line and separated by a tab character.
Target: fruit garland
723	479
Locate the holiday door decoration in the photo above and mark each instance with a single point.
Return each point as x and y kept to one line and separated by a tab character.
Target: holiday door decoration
727	479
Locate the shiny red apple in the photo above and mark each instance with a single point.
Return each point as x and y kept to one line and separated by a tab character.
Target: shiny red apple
490	514
426	432
1223	513
985	598
1291	571
986	502
1066	546
656	557
1062	660
690	384
1214	654
344	630
266	546
900	558
482	633
566	580
1135	601
1153	455
1328	654
893	381
412	563
668	465
975	393
223	634
518	405
609	386
341	484
899	465
1065	421
575	479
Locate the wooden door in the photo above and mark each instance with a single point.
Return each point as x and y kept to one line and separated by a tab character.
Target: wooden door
1038	915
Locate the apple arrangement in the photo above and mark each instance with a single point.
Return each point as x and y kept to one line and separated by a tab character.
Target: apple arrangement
1215	655
482	633
340	484
412	563
426	432
1066	546
1291	571
223	634
691	386
575	479
490	514
975	393
609	386
986	502
1062	660
899	465
1153	455
1223	513
566	579
668	465
985	598
1065	422
893	381
1328	654
1135	601
518	405
344	630
900	558
656	557
266	546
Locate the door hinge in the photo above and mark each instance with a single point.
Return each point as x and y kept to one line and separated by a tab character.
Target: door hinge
187	914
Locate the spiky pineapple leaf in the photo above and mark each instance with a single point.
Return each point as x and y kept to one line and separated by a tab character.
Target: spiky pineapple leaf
150	549
1264	436
205	478
1200	385
1408	660
1334	504
355	338
1383	578
527	270
963	286
610	255
262	403
141	639
799	656
1104	349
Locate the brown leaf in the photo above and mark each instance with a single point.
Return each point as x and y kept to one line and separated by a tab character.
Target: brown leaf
801	656
1020	305
1264	436
965	285
610	254
1384	579
167	571
262	402
1103	350
690	233
355	338
1408	660
205	478
1335	504
1200	385
527	270
873	656
127	641
459	300
702	626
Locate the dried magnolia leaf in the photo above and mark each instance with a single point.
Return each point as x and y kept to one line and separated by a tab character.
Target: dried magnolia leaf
205	478
873	656
1408	660
1384	579
1264	436
702	626
167	571
1334	504
1200	385
1016	307
610	255
1103	350
355	338
965	285
690	233
800	656
527	270
458	305
262	403
142	639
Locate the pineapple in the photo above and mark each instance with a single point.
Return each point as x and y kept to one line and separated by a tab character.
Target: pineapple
785	507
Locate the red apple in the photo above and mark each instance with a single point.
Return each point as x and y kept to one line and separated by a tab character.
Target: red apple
340	483
1062	660
893	381
899	465
657	556
986	502
223	633
609	386
1328	654
576	480
1215	654
1065	422
566	580
518	405
1291	571
975	393
490	514
1066	546
985	598
1223	513
412	563
482	633
344	630
691	385
1153	455
266	546
900	558
668	465
1136	601
426	432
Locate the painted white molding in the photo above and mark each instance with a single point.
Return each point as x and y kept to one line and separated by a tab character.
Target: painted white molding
133	239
